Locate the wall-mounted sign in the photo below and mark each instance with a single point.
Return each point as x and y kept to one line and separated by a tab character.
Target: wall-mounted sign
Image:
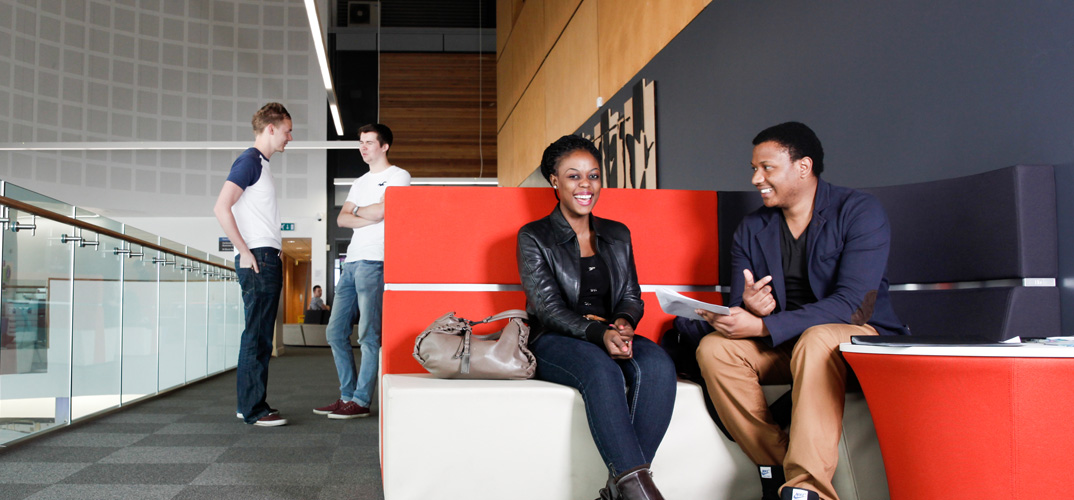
287	226
225	245
627	140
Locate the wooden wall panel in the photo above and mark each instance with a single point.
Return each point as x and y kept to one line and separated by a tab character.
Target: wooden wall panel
506	14
556	38
571	74
505	153
557	13
528	133
631	32
441	109
521	58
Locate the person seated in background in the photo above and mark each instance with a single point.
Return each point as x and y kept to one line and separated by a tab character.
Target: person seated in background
316	303
807	274
583	302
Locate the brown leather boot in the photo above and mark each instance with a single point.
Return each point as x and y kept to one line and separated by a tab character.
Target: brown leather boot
637	484
608	491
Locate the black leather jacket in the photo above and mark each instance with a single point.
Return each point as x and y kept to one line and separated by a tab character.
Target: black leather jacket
549	264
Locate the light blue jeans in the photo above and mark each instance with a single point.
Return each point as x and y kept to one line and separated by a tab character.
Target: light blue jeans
360	289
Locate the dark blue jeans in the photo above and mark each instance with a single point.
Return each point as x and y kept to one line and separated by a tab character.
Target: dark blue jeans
628	402
261	300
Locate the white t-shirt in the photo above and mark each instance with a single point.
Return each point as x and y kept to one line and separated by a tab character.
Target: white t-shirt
256	213
368	241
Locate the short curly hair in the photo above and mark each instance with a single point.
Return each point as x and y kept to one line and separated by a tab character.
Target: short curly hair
272	113
798	139
562	147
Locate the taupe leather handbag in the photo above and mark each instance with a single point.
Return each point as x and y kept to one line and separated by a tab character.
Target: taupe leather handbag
449	349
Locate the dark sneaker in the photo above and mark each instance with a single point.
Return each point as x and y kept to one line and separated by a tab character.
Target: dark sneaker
271	421
349	410
325	410
271	411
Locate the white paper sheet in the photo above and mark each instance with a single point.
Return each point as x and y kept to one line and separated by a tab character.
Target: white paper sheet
674	303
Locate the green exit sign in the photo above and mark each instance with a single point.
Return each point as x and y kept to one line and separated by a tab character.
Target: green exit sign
287	226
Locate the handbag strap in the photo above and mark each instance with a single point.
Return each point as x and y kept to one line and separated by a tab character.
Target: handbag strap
510	313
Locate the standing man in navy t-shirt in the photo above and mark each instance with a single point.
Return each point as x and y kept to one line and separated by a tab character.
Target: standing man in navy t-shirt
247	210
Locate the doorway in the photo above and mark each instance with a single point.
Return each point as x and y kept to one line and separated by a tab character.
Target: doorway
297	278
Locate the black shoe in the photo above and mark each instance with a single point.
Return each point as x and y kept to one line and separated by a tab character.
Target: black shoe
771	479
790	493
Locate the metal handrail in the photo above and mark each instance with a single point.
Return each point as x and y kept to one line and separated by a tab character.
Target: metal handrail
48	214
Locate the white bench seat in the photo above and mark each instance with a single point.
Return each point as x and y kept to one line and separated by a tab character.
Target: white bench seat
528	439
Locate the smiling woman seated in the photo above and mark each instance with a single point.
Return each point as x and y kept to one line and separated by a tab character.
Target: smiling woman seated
583	301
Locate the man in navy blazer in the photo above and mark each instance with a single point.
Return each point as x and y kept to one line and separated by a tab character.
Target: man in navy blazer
808	273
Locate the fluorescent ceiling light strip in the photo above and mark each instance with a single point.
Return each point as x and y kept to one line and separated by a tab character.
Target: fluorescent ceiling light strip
318	43
322	61
335	117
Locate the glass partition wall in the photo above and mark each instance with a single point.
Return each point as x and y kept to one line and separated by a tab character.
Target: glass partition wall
95	314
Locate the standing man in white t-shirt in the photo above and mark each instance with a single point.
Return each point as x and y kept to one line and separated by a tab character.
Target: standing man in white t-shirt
361	284
247	210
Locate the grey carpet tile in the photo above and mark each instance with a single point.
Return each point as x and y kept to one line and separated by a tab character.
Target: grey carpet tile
251	492
361	476
107	440
165	455
148	408
217	417
19	491
136	474
271	439
363	426
107	492
272	455
174	402
105	426
265	474
189	440
302	424
128	417
38	472
356	456
350	492
55	454
357	440
222	426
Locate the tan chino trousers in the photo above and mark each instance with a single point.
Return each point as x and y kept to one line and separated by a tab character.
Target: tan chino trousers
734	371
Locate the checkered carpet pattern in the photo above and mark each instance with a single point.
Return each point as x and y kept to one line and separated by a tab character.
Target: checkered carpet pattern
188	444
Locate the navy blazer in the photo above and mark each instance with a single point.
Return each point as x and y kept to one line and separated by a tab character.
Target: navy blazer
848	243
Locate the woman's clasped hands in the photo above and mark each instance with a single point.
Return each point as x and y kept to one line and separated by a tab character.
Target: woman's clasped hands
617	338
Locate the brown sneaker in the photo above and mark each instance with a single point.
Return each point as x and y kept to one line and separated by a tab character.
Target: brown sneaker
349	410
271	421
325	410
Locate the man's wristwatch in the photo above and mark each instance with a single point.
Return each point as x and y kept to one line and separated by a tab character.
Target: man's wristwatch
355	211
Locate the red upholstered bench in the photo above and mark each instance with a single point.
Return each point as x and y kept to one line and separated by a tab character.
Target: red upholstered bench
453	249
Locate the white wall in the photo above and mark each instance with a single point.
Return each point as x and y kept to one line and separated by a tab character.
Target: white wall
158	71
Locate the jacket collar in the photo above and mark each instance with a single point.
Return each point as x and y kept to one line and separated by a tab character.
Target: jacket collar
768	237
562	230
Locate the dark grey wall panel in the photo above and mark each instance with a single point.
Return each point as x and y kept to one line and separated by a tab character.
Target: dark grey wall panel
899	92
